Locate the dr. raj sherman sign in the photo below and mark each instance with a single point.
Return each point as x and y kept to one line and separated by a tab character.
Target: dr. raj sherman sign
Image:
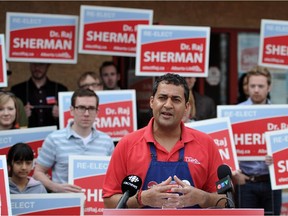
41	37
274	44
172	49
249	124
116	115
111	31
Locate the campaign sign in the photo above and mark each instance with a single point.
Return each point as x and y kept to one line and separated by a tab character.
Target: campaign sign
89	172
111	31
116	115
5	205
274	44
221	132
277	147
34	137
249	124
172	49
48	204
247	51
41	37
3	69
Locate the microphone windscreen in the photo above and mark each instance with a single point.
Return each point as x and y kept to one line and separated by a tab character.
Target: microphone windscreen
223	171
131	183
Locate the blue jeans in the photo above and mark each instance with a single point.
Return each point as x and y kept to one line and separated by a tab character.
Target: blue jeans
260	195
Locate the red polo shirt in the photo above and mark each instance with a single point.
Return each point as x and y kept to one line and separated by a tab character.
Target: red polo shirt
132	157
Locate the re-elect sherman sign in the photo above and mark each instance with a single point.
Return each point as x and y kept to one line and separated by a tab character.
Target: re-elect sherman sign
41	37
172	49
277	147
109	30
274	44
249	124
88	172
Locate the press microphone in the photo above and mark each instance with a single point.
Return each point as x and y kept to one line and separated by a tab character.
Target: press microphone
130	185
225	185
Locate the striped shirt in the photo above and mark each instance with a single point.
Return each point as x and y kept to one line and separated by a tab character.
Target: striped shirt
60	144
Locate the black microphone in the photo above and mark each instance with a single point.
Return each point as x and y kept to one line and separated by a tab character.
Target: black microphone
225	185
130	185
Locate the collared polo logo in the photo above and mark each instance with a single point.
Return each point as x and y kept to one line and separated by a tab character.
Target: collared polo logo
191	160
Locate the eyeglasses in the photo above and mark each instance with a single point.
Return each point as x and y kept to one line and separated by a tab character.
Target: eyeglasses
94	85
82	109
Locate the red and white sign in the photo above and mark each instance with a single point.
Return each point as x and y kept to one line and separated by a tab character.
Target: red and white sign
89	172
172	49
221	132
41	38
277	147
3	69
274	44
249	124
117	115
34	137
111	31
48	204
247	51
5	205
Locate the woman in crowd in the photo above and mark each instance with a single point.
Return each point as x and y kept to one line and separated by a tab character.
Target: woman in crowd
8	111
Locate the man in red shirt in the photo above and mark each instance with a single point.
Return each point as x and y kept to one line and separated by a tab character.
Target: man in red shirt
163	151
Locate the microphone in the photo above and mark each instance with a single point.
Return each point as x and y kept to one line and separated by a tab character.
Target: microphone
225	185
130	185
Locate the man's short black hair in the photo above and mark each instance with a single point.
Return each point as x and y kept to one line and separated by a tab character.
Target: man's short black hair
174	79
